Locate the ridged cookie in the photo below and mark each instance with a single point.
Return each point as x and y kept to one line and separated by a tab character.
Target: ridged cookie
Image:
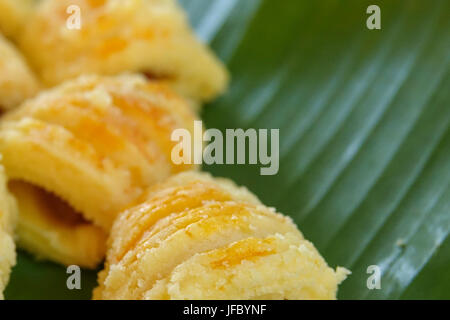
151	37
196	237
17	82
96	143
8	219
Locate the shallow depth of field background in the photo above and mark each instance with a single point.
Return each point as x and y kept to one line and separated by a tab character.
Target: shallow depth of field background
364	134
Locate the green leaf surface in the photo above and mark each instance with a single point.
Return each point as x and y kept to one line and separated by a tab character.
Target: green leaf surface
364	134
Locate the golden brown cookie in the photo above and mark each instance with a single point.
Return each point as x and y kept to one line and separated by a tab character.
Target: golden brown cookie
152	37
196	237
78	154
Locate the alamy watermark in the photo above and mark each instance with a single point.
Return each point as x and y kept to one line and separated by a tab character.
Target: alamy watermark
74	280
374	20
374	280
228	148
73	22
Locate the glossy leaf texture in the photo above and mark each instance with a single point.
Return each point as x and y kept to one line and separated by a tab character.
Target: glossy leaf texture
364	134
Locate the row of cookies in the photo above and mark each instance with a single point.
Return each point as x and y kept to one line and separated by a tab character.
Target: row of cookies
78	153
17	83
94	152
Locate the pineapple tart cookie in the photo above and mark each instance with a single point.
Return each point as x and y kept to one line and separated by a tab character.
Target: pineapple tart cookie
81	152
152	37
197	237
